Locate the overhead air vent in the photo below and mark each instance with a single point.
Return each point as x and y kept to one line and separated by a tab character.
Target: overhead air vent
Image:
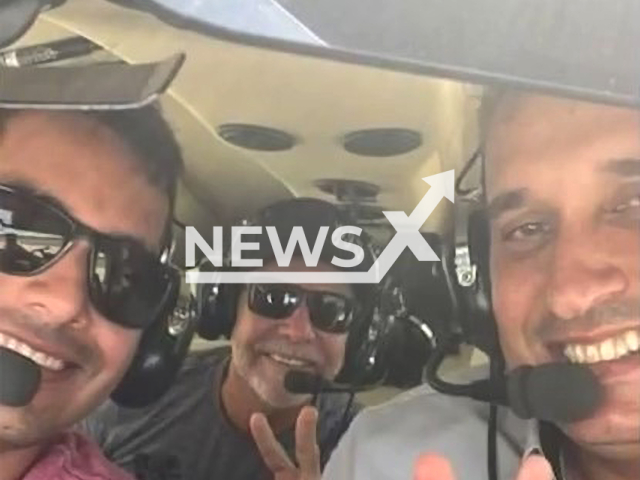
256	137
382	142
348	190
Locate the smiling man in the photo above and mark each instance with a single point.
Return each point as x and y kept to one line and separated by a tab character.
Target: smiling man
564	201
264	350
85	199
562	185
204	427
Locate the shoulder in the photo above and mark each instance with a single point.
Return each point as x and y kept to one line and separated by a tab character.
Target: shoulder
422	415
192	387
384	441
426	417
204	360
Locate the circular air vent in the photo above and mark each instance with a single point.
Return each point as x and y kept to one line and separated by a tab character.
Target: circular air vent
348	190
382	142
256	137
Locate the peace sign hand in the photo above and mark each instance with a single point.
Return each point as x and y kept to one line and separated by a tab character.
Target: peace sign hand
274	455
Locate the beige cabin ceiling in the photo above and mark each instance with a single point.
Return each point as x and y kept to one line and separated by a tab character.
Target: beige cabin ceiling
314	99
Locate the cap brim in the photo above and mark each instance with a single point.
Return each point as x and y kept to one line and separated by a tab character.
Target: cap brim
16	17
107	86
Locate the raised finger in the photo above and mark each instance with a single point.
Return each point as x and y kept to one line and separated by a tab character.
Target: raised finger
272	453
307	450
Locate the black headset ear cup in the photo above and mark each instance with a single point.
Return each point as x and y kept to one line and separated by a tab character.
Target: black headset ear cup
371	346
364	352
407	353
217	310
482	327
429	287
160	354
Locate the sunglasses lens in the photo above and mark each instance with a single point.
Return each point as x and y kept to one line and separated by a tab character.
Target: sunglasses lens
330	312
31	233
128	285
273	301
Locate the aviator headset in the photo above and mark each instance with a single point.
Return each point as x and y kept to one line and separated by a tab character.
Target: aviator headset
463	273
126	283
464	268
364	320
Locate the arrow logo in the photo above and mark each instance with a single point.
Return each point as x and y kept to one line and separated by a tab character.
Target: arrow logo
407	236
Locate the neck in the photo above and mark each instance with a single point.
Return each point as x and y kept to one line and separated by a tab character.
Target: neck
587	465
16	462
240	402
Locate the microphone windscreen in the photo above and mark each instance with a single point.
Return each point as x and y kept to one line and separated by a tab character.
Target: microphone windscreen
556	392
302	382
19	379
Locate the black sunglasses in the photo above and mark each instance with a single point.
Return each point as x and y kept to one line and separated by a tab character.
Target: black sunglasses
127	283
329	312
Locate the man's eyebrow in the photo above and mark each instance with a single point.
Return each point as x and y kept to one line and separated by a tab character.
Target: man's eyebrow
506	201
43	195
625	167
31	189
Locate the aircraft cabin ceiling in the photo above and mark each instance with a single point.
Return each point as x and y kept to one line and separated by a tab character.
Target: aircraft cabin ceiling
316	101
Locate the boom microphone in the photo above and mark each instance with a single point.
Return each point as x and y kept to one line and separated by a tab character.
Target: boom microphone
557	392
19	379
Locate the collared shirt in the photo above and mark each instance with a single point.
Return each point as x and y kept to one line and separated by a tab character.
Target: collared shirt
74	457
384	442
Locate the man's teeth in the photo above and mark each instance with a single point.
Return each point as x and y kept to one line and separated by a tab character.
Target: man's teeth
25	350
610	349
289	361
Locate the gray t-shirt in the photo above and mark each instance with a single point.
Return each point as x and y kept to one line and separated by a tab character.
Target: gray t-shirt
187	436
385	441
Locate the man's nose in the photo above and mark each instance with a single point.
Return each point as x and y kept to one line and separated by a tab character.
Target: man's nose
58	295
298	327
586	272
